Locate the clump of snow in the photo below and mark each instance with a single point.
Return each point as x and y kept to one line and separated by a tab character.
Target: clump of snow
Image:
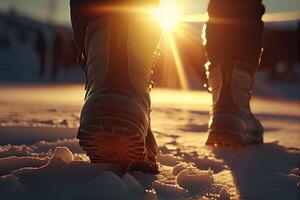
180	167
81	157
295	176
168	159
295	171
63	154
150	195
218	192
10	187
169	190
133	185
224	194
206	163
195	180
64	122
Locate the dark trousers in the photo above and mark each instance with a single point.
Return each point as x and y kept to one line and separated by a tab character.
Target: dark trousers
234	29
82	12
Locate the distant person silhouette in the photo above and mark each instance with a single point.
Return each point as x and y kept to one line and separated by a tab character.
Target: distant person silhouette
71	53
41	50
117	46
57	54
298	32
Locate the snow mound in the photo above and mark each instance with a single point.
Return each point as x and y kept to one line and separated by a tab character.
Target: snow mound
295	171
12	163
195	180
63	154
133	185
40	149
62	177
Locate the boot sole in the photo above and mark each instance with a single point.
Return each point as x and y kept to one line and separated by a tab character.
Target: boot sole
121	144
232	139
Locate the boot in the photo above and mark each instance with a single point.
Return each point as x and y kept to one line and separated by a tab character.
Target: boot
231	121
115	119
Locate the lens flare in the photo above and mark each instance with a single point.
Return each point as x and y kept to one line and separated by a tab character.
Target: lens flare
167	15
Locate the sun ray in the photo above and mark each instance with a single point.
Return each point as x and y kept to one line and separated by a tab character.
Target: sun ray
167	14
178	63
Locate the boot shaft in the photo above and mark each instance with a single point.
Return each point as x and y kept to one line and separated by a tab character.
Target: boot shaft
120	54
231	86
231	121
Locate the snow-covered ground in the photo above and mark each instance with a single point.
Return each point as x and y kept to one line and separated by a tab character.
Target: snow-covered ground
40	157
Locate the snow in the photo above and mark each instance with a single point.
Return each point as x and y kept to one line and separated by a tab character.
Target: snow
63	154
168	159
169	190
40	157
180	167
11	187
194	179
295	172
133	185
13	163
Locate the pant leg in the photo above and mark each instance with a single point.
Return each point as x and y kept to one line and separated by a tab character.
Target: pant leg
79	19
234	30
82	12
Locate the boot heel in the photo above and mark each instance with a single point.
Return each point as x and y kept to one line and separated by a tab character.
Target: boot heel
112	141
228	130
113	129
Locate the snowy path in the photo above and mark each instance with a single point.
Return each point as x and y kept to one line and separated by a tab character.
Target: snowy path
34	120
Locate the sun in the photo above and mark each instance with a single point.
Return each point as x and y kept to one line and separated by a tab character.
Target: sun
167	15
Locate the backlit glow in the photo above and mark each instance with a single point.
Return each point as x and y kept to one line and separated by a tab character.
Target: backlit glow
167	15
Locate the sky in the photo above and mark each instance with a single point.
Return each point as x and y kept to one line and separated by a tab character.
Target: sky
40	8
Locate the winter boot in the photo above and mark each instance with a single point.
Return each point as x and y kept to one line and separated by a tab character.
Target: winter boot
232	122
115	119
